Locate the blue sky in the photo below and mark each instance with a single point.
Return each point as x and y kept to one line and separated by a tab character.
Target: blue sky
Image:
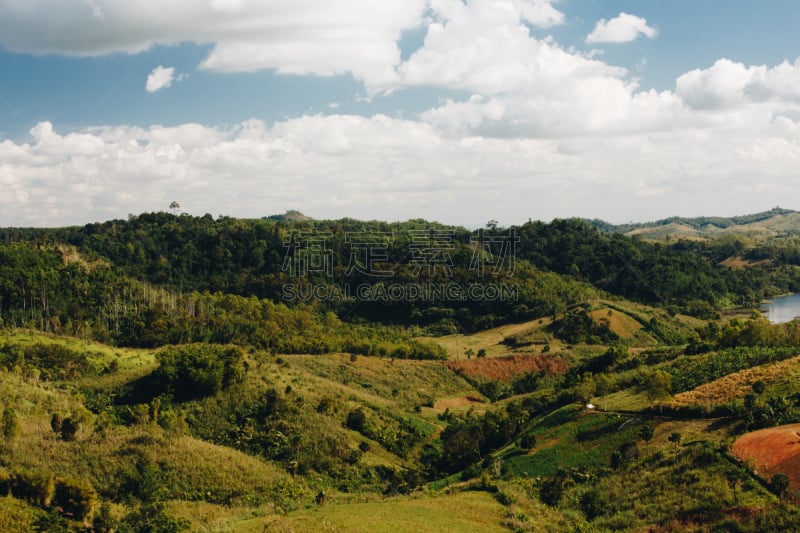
459	111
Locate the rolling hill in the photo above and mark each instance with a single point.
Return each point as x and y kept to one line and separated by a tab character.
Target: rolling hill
776	222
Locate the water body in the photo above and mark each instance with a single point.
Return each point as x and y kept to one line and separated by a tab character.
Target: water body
782	309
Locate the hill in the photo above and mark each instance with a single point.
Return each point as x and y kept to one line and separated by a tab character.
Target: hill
776	222
153	378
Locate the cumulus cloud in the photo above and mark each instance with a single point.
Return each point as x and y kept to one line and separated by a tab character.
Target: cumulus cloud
160	78
522	86
539	130
299	37
290	36
728	84
389	168
623	28
485	46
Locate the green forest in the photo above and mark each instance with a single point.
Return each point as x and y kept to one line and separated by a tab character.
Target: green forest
179	373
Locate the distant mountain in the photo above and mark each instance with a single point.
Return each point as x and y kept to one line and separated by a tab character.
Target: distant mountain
776	222
290	216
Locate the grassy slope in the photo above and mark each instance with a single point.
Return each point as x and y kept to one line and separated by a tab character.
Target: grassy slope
629	320
461	512
242	492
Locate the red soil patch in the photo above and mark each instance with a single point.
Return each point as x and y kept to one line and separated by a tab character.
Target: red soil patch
771	451
507	368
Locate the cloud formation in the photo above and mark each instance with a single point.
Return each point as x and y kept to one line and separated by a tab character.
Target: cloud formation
623	28
290	36
728	84
160	78
536	131
389	168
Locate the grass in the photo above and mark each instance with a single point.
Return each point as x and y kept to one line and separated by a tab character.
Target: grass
783	375
620	323
588	440
204	517
491	340
218	488
465	512
16	515
399	383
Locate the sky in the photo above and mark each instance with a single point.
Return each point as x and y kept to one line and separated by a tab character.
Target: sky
459	111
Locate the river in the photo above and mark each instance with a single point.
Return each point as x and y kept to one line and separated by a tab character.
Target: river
782	309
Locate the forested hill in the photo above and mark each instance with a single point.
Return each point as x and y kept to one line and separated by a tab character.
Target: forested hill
776	222
66	275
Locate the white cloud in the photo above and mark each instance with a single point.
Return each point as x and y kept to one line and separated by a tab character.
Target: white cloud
298	37
291	36
485	46
160	78
728	84
541	131
623	28
388	168
523	86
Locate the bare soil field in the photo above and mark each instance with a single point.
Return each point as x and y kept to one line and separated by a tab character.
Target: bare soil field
507	368
771	451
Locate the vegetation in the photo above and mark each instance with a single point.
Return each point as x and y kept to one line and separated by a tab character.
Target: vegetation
154	376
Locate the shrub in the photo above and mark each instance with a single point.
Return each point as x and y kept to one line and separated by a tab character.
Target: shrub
35	487
195	371
10	424
74	497
69	429
527	441
356	420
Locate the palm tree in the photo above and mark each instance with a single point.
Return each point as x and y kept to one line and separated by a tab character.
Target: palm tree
174	206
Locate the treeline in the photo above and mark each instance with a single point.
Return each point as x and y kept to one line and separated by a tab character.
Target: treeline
261	257
40	288
683	276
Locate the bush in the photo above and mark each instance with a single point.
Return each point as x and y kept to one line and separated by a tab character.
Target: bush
195	371
5	483
527	441
35	487
74	497
69	429
10	424
356	420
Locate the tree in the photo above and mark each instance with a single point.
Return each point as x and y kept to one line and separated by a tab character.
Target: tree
527	441
105	521
193	371
675	438
69	429
356	420
658	385
586	388
174	206
759	387
57	423
10	422
626	454
779	485
646	433
75	497
734	480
